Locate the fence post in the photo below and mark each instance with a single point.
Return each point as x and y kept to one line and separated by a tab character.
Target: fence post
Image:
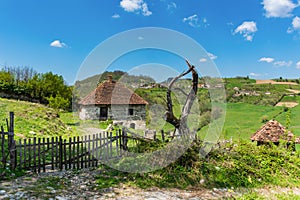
163	135
3	159
125	139
11	142
60	153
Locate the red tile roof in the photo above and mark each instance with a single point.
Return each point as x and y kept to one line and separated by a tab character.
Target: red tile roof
273	131
111	92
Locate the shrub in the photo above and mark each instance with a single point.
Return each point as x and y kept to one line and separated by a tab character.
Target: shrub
59	102
264	119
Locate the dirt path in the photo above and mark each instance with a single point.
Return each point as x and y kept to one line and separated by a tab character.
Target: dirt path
274	82
294	91
82	184
287	104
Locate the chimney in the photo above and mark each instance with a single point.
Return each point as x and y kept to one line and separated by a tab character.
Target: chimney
109	78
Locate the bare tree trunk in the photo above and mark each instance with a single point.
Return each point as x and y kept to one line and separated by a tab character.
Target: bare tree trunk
181	123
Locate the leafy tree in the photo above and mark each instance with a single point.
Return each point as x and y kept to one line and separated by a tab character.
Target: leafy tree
59	102
43	87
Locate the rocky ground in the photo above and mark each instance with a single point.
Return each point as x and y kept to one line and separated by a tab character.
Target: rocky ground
82	185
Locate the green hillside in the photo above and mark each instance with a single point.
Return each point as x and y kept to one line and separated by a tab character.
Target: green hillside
294	116
32	119
242	119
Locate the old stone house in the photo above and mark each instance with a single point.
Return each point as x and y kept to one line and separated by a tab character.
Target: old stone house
273	132
114	101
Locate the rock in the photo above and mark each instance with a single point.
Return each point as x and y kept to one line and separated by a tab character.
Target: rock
19	195
60	198
2	192
32	132
202	181
50	188
83	187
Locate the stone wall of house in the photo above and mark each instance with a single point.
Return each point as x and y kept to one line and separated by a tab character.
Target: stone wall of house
89	112
121	112
135	124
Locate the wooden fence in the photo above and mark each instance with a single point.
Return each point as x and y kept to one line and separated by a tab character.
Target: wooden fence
41	154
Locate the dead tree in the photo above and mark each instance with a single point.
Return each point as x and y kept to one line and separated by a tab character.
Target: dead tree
180	123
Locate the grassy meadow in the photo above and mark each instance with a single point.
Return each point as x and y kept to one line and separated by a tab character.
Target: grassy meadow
236	165
32	119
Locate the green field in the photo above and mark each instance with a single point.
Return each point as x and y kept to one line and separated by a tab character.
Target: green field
295	116
32	120
242	119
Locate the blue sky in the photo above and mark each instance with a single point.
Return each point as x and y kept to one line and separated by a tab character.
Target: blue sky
259	38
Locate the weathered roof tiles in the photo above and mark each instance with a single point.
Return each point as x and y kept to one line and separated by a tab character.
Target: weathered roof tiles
273	131
111	92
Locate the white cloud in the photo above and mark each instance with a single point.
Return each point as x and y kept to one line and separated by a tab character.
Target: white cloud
264	59
298	65
58	44
145	10
254	74
279	8
295	25
138	6
283	63
202	60
116	16
212	56
247	29
192	20
140	38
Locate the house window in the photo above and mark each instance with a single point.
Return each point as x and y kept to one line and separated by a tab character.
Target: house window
132	125
130	111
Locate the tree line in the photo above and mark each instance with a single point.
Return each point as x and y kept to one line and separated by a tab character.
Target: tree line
25	83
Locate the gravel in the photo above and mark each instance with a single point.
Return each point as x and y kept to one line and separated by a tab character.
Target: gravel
82	185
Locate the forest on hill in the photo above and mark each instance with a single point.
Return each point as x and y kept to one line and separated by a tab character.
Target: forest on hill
24	83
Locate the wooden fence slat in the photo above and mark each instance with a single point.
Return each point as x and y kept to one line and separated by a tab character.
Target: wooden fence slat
57	157
65	154
34	154
97	150
29	153
111	145
3	146
52	152
44	154
78	153
85	157
20	153
117	145
101	150
70	150
107	146
89	150
73	153
25	148
81	148
60	153
39	155
93	151
120	142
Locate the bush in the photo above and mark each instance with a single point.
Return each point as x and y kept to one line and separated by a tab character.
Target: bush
232	165
59	102
264	119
